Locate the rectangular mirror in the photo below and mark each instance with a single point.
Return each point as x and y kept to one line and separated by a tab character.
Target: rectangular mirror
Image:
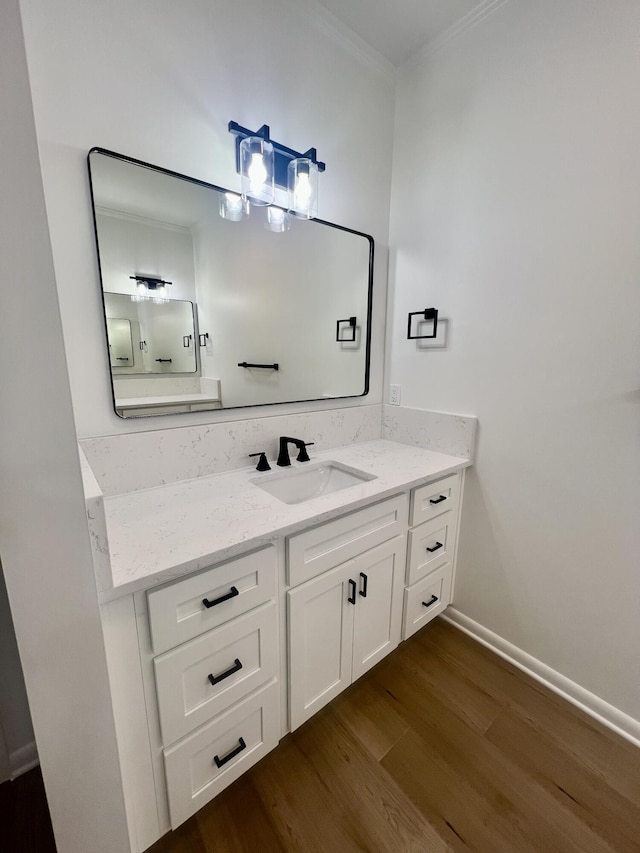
204	312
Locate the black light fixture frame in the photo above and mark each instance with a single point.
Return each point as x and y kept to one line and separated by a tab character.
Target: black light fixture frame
426	314
352	326
282	155
149	281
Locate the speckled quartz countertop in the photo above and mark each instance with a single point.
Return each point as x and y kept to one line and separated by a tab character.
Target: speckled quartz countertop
159	534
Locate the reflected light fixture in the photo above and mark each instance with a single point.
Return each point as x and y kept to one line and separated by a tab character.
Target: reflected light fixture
278	220
150	288
232	207
263	164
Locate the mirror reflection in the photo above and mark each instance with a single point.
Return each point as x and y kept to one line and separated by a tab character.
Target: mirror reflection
206	310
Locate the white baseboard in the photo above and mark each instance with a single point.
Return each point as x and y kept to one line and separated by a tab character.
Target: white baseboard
23	759
608	715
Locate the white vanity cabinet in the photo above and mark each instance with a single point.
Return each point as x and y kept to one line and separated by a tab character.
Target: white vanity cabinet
431	552
343	620
341	623
217	691
202	666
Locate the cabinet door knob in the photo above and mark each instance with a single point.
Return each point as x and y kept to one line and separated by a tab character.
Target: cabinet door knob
231	594
431	601
352	598
216	679
436	547
363	591
222	761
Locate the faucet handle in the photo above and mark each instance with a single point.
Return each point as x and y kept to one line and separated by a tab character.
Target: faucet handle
303	456
262	465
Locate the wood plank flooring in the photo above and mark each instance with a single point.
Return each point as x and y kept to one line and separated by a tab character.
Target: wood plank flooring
25	825
441	748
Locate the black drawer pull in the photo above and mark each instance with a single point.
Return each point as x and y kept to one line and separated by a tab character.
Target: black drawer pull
437	500
231	594
352	598
216	679
363	591
433	600
436	547
221	761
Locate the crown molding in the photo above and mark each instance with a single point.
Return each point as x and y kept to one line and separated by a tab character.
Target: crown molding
472	19
340	34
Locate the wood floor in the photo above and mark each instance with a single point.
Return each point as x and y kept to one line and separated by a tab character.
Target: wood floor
25	825
442	748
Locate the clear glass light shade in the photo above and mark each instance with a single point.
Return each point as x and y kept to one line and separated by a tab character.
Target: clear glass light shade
160	294
277	220
303	188
257	170
232	207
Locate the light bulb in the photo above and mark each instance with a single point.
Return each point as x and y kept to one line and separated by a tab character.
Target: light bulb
257	173
303	187
302	192
257	170
142	288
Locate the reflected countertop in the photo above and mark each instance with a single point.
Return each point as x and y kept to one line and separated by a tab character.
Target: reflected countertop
159	534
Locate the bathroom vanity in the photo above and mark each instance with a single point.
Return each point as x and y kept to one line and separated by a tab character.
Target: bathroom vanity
232	615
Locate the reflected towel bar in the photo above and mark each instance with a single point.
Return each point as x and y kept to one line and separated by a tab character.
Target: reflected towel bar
274	366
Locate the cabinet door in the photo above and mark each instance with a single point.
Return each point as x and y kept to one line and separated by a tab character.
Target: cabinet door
320	640
378	612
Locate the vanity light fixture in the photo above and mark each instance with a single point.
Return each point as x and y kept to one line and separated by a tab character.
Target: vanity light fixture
292	171
278	220
148	287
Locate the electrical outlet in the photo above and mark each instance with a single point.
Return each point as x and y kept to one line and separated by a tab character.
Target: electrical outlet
394	395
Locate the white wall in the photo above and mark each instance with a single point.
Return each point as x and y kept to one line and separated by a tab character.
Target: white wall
516	211
159	81
44	541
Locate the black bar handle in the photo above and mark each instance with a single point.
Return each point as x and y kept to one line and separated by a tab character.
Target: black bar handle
163	360
437	500
216	679
222	761
274	366
432	600
352	598
436	547
363	591
231	594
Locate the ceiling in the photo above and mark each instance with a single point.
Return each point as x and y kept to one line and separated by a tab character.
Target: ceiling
398	28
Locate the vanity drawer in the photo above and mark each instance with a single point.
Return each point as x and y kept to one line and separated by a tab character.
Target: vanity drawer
322	548
204	763
435	498
239	656
426	599
430	545
177	611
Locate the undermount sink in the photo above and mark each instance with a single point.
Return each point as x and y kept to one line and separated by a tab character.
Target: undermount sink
303	484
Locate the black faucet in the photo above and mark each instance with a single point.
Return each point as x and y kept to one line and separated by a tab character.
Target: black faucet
283	452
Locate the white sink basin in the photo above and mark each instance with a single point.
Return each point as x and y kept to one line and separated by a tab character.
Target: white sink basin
303	484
